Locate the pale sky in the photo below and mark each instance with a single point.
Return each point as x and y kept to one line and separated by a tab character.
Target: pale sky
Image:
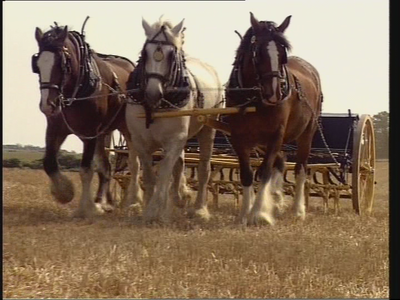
346	40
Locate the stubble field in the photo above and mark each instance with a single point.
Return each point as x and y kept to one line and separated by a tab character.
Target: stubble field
47	254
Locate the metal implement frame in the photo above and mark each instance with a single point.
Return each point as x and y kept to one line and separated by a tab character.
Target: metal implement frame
324	179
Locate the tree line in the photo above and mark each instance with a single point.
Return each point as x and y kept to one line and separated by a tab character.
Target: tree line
381	126
66	161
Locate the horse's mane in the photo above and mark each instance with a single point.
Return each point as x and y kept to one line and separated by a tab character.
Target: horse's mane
51	38
178	42
268	29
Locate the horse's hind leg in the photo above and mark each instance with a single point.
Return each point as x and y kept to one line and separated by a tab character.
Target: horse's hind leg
277	182
61	187
103	169
86	205
206	142
179	190
303	150
246	179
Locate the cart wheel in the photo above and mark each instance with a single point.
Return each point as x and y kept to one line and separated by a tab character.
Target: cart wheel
363	169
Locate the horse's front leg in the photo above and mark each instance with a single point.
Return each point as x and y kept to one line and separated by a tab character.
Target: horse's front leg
134	194
264	206
159	205
61	187
87	207
246	179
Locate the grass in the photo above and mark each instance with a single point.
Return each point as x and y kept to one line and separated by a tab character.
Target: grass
27	155
23	155
47	254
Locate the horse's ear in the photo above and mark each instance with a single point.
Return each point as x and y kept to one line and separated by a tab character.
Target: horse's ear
62	36
284	24
38	34
178	28
148	30
254	22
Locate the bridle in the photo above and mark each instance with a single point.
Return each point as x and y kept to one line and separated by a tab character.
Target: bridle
177	61
176	83
65	71
256	62
281	75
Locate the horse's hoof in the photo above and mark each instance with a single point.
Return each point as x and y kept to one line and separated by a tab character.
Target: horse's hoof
201	213
94	211
132	200
151	220
260	218
241	220
135	208
150	216
300	213
62	189
107	207
79	214
281	207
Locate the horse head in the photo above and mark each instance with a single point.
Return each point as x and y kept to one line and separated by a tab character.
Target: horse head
261	59
53	65
162	58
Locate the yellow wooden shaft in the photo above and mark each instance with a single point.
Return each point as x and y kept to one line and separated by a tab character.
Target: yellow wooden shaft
198	112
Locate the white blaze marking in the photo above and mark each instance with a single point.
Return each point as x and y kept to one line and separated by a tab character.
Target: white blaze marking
273	55
45	64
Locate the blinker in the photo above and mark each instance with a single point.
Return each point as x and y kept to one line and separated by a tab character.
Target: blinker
34	65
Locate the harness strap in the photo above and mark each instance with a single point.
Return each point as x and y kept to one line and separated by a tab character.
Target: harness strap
199	100
108	125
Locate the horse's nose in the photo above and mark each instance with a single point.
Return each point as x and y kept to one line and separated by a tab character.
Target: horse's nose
47	110
153	98
153	94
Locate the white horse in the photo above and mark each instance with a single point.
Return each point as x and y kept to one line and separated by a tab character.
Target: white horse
165	80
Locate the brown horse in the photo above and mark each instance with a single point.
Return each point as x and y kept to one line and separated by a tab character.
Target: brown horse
82	93
287	94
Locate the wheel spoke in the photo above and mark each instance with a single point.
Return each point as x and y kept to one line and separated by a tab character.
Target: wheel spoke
363	186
